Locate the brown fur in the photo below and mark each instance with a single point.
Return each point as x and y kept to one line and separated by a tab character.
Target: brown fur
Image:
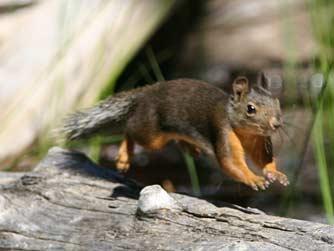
200	116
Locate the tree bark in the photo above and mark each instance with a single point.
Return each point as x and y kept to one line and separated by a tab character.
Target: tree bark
69	203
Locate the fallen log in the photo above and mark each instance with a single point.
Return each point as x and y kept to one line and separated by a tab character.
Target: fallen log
69	203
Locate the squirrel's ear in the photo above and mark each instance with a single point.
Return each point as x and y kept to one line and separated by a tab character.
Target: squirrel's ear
273	84
263	81
240	88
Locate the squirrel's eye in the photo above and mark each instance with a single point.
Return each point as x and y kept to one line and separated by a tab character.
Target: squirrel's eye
251	109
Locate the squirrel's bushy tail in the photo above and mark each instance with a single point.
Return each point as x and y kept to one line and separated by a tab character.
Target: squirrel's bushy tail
110	114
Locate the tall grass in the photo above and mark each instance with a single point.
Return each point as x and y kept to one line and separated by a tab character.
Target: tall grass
322	19
193	174
320	99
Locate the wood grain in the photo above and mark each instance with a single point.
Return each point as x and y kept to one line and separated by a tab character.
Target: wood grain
69	203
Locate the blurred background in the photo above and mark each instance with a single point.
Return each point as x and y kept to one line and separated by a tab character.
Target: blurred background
58	56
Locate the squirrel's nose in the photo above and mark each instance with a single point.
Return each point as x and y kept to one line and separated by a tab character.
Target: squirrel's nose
274	123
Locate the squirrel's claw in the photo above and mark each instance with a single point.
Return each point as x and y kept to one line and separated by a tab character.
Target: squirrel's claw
284	180
257	182
267	183
272	176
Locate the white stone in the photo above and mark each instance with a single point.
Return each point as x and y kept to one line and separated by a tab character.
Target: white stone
154	198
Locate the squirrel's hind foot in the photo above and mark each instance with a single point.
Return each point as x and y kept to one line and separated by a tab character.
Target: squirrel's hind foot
122	166
124	155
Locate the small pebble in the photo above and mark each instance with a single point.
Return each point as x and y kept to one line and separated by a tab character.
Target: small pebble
154	198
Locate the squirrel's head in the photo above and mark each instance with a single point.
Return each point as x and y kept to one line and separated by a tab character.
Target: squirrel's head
254	108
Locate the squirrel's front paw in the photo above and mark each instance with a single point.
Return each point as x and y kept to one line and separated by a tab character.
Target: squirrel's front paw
273	175
257	182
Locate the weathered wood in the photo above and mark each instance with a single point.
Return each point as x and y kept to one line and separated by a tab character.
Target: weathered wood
69	203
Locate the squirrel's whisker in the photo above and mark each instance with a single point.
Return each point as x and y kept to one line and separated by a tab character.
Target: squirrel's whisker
281	140
291	125
288	136
291	113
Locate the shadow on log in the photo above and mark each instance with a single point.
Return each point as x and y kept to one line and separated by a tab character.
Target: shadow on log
69	203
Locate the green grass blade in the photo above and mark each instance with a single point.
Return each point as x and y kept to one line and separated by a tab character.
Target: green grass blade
154	64
193	174
318	137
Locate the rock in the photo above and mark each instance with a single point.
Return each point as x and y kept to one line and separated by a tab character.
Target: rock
154	198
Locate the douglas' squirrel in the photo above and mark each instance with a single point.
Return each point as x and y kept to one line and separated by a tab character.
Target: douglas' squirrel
199	115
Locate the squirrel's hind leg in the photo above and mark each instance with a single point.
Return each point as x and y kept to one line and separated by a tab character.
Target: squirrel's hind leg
125	154
158	140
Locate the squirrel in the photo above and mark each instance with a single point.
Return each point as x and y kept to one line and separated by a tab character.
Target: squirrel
199	115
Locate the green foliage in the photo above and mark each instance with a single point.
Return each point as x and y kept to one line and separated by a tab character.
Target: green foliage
322	18
193	174
320	99
323	134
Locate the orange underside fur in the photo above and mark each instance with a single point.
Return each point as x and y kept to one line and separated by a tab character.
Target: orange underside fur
125	151
235	164
160	140
254	146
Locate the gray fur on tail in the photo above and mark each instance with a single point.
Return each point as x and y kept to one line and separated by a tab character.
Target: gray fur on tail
107	115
